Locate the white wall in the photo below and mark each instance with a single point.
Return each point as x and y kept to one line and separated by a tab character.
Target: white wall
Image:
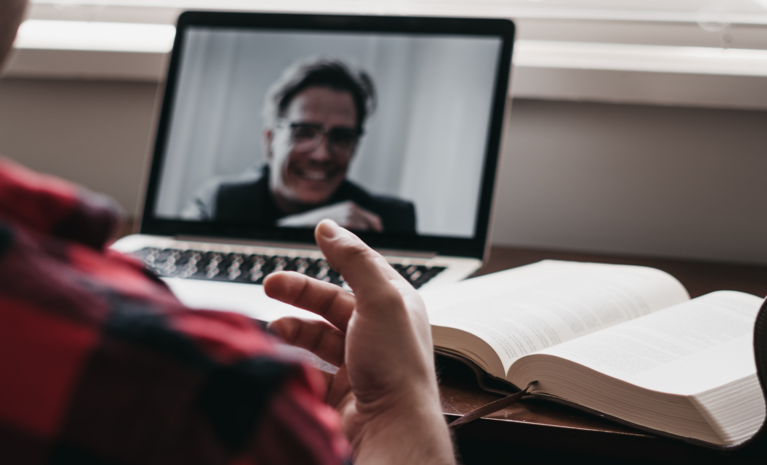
660	181
94	133
635	179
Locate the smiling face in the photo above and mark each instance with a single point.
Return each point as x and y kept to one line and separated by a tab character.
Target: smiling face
301	180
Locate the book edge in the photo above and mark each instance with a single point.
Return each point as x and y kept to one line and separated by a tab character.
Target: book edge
482	377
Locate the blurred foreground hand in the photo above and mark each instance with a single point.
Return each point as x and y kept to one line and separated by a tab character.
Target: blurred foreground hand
385	389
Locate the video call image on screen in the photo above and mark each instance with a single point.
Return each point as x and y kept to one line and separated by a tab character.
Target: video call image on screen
381	132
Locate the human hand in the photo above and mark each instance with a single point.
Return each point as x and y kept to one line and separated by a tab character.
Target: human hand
385	389
347	214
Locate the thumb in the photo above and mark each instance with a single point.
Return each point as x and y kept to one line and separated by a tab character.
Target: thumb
364	269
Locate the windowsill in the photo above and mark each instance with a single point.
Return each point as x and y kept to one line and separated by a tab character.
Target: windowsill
641	74
551	70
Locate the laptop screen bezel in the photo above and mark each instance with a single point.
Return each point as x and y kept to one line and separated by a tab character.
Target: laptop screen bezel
444	245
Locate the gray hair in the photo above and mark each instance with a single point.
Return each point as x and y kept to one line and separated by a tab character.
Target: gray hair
320	72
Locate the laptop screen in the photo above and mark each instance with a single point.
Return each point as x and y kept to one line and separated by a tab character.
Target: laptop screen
387	126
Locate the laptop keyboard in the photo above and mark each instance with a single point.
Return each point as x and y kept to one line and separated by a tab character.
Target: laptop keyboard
252	269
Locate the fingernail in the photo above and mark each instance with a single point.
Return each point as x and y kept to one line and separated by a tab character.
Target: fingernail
328	229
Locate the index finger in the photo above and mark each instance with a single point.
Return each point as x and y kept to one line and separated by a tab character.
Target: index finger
324	299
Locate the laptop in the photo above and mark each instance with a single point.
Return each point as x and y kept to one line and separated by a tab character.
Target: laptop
272	122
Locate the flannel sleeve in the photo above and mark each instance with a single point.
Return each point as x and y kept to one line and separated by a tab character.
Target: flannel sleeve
101	364
106	377
194	388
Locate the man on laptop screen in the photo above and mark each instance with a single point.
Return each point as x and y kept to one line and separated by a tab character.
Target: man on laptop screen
267	127
315	115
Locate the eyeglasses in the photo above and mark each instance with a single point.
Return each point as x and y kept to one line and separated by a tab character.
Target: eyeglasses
306	137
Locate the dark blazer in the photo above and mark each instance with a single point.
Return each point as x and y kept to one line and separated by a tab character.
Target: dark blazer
247	199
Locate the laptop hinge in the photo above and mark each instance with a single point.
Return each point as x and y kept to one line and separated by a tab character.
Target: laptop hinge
293	245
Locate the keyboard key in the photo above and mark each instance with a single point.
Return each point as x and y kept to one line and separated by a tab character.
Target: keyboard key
242	268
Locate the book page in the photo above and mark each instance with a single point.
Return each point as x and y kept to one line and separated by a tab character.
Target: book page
686	349
528	309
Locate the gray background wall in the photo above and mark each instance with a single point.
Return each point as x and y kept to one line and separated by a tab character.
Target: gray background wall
658	181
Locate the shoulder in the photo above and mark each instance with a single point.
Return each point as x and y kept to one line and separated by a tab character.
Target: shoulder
225	196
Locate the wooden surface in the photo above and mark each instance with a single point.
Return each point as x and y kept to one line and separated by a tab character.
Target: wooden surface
542	432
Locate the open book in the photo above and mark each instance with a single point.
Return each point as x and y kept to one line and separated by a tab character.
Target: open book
624	341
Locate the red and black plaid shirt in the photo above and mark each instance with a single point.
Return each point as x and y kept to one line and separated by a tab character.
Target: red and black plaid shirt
101	364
